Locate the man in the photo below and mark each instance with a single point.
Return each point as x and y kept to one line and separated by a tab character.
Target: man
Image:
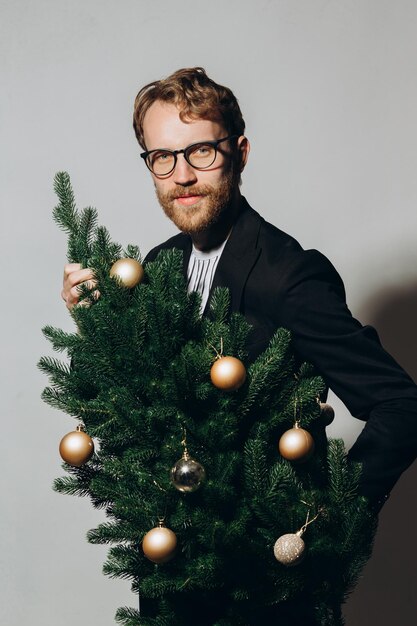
192	133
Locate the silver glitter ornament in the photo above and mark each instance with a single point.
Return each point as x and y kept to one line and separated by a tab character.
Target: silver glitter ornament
289	549
187	474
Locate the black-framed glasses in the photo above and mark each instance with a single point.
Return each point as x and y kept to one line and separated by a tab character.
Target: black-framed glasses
199	155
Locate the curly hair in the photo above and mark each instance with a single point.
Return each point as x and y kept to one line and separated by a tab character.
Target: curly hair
195	95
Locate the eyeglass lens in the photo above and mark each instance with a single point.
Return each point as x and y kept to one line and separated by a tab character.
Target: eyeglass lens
200	156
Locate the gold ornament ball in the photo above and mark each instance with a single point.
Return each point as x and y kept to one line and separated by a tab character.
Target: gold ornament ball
289	549
228	373
159	544
296	444
326	413
187	474
128	271
76	448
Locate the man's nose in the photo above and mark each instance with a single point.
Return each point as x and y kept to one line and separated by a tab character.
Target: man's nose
184	174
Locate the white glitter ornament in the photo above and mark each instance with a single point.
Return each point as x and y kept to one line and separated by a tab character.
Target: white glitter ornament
289	549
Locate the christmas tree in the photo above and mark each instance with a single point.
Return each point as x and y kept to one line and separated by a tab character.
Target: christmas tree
211	520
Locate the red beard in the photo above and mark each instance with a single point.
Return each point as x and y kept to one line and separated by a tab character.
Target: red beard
206	211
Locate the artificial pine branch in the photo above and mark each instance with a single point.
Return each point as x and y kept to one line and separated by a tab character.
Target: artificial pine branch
141	360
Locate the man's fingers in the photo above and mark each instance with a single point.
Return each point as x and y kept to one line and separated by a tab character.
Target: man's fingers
71	267
72	297
95	295
78	276
90	284
74	276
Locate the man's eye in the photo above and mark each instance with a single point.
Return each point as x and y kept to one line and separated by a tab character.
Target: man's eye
202	150
161	157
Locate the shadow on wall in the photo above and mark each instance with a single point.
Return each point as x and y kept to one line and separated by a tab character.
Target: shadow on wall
387	593
393	312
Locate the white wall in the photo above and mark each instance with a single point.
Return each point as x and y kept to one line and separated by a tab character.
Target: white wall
329	93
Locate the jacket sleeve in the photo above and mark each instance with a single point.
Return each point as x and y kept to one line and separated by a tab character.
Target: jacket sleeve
356	367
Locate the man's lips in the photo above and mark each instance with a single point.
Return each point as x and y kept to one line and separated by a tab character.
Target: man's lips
188	200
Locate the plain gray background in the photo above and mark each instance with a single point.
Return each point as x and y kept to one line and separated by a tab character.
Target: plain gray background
328	90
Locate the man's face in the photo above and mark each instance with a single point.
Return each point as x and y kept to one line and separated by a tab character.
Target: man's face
192	199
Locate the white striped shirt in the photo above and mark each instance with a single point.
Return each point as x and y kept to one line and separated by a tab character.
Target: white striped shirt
201	270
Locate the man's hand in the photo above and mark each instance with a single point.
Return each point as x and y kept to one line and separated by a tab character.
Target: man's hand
74	276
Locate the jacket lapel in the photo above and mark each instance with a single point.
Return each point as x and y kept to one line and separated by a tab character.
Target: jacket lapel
180	242
186	248
239	256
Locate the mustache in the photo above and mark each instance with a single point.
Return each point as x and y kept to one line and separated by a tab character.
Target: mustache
181	192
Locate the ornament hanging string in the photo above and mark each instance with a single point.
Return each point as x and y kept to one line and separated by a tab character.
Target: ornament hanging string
308	520
297	411
218	354
184	441
187	474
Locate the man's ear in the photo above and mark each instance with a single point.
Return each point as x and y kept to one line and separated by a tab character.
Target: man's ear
243	148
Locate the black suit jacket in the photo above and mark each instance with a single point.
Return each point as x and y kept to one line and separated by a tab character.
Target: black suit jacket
275	283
